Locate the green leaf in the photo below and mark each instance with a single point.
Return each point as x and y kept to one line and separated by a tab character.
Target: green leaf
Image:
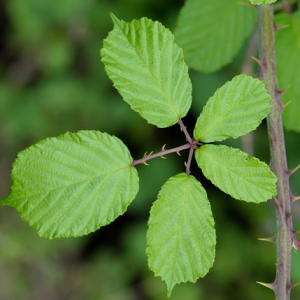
258	2
236	173
211	32
236	108
73	184
148	69
181	237
288	66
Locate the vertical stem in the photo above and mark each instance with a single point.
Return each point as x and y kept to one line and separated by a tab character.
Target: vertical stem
284	235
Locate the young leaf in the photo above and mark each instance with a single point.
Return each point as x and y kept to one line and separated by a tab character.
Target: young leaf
236	108
236	173
258	2
211	32
148	69
288	66
181	237
73	184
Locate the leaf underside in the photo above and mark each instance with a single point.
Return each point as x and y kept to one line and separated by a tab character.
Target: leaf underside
288	66
236	173
211	32
236	108
181	237
148	69
73	184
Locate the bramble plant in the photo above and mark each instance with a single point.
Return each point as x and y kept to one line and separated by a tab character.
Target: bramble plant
73	184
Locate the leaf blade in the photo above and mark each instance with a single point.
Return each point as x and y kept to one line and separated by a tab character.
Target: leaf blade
211	32
236	108
148	70
180	225
57	183
236	173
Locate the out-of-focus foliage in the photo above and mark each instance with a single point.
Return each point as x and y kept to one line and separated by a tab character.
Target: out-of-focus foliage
52	81
211	32
259	2
288	66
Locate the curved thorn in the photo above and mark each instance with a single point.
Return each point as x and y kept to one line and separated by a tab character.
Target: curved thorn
185	163
145	164
267	285
284	90
294	245
271	239
290	172
295	198
257	61
276	201
178	153
163	147
271	137
283	106
163	157
150	153
292	212
281	27
146	154
294	285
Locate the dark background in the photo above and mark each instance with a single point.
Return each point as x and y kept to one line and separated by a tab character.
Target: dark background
52	81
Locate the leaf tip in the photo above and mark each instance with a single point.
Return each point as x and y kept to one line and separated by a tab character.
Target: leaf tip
114	18
169	289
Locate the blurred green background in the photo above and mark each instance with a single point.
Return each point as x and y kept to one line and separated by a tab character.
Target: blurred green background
52	81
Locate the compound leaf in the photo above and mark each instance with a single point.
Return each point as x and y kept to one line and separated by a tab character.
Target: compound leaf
236	108
73	184
236	173
258	2
288	66
181	237
148	69
211	32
